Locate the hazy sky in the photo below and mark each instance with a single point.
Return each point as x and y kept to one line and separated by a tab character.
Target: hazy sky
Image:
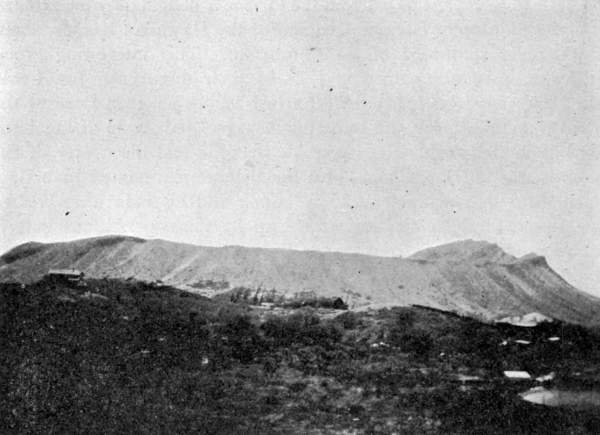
374	127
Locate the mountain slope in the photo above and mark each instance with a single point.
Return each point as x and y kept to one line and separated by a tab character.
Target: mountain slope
469	277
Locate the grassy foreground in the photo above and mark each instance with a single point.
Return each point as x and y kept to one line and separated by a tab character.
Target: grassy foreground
126	357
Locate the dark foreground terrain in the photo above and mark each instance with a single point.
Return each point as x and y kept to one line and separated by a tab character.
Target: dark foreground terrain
127	357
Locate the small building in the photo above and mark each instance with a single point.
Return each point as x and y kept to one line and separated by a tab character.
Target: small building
71	277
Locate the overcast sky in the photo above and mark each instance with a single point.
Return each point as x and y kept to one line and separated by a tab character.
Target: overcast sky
374	127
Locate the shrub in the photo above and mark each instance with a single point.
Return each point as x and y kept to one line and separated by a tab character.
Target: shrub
417	342
404	320
348	320
243	338
302	328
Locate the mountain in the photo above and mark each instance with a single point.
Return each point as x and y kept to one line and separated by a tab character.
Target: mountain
469	277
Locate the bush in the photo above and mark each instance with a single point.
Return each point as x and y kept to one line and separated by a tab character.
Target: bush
417	342
301	328
348	320
243	338
405	320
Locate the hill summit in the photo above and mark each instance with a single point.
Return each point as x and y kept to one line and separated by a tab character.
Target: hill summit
474	278
466	250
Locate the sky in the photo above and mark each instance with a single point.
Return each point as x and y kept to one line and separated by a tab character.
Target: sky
373	127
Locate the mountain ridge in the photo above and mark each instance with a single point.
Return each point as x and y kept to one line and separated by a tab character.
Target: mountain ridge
475	278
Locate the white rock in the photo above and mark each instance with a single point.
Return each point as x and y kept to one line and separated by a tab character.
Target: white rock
517	374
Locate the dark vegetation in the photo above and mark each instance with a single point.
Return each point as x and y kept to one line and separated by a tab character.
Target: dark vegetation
246	295
126	357
259	296
210	284
317	302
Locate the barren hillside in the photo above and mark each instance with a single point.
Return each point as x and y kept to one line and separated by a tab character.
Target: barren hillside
469	277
